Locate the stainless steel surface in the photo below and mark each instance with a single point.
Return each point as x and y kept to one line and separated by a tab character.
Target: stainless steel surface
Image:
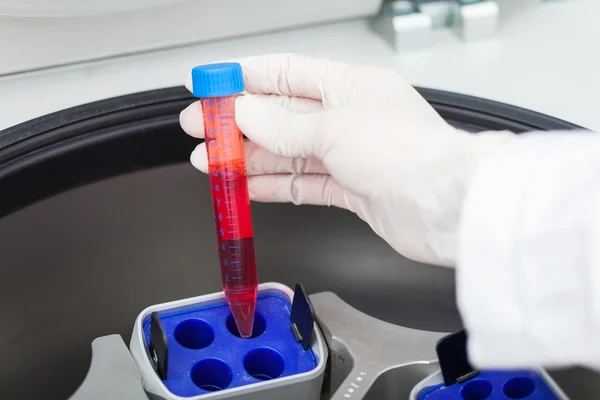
84	263
370	358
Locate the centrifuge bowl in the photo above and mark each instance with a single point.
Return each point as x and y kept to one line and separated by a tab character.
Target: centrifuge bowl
101	215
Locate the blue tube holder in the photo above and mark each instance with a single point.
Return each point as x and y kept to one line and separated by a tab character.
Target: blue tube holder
491	385
207	359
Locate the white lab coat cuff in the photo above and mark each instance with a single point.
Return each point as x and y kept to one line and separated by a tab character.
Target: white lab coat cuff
527	287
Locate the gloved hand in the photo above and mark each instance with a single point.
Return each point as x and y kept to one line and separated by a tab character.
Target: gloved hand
356	137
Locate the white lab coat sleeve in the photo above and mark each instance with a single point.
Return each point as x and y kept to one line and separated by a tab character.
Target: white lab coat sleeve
528	259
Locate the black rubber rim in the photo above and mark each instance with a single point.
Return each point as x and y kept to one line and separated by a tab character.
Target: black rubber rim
80	145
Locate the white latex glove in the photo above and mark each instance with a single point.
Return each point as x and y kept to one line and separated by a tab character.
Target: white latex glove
356	137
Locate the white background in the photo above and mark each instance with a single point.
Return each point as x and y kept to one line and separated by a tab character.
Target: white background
545	57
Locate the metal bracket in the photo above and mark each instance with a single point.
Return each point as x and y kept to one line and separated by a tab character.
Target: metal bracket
370	358
407	24
113	374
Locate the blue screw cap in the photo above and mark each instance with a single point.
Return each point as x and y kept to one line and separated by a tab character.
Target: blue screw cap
217	80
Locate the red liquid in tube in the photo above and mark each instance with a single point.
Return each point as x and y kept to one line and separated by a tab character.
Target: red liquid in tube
231	206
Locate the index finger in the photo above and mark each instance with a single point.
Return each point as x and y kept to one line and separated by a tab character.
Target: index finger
191	118
285	74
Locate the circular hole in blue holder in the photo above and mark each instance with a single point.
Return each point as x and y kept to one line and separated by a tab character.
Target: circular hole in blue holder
476	390
211	374
264	364
194	334
518	388
257	329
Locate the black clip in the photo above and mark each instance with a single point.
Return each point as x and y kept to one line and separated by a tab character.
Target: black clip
159	346
452	356
302	317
